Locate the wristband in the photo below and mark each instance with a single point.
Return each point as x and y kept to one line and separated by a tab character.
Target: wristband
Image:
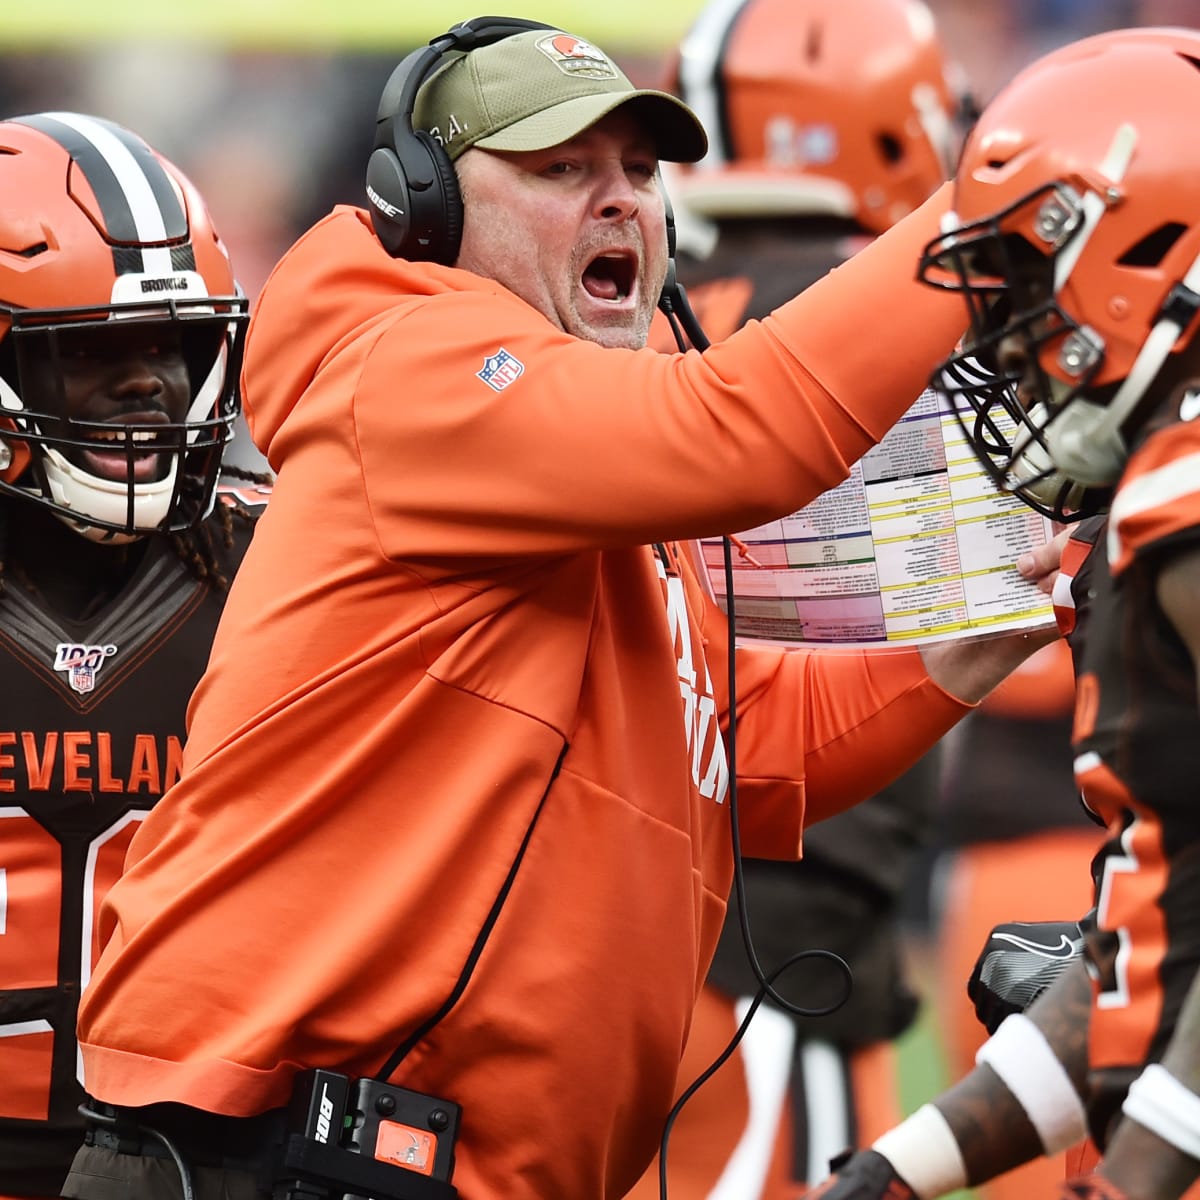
1020	1055
1166	1107
923	1151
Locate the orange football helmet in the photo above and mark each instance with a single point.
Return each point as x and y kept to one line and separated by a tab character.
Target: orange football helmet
1075	240
97	228
816	107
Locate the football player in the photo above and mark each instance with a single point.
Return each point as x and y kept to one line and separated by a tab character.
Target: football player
1075	241
121	329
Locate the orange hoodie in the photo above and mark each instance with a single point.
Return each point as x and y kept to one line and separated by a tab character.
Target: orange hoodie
454	774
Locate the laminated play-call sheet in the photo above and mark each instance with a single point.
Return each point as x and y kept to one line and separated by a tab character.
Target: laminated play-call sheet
916	545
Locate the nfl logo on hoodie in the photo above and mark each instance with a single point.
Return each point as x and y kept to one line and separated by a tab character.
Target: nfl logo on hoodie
501	369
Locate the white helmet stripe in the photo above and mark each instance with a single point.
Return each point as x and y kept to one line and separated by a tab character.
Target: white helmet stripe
153	209
699	71
1116	163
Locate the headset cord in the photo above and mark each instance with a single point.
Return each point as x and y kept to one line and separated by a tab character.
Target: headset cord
682	318
185	1175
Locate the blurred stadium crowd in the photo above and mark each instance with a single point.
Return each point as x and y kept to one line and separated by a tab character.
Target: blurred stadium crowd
274	139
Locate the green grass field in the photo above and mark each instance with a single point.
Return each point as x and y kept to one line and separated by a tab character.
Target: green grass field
923	1071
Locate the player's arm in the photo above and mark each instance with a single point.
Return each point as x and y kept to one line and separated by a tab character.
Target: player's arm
1022	1100
1156	1148
1179	597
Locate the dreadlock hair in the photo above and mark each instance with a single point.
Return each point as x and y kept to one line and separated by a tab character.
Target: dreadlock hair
197	547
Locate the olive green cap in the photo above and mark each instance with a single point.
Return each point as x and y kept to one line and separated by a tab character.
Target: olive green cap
537	89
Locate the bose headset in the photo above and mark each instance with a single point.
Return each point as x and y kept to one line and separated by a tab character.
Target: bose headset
415	202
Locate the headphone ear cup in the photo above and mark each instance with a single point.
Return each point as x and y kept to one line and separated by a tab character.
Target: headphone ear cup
387	194
416	204
446	224
669	217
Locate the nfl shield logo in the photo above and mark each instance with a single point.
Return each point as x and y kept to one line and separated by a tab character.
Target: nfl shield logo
80	663
501	369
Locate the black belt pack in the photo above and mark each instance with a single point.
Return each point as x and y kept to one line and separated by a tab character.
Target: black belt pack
338	1139
347	1139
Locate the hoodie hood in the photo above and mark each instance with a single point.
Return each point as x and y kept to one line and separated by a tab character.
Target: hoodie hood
333	285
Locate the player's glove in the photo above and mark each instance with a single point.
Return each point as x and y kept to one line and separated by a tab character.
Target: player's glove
861	1175
1090	1187
1017	964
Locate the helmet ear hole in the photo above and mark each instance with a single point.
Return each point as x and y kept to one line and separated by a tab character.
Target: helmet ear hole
890	147
1153	247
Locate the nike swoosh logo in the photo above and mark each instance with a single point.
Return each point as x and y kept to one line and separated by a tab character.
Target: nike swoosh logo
1189	406
1066	948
